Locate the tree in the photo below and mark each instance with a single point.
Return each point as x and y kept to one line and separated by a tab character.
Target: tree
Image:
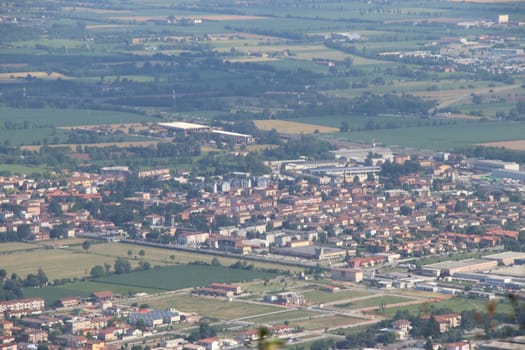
122	266
41	277
142	252
86	245
264	340
344	127
405	210
97	271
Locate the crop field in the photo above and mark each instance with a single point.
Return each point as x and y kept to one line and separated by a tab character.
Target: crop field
82	289
289	127
211	307
518	145
441	137
23	75
183	276
320	297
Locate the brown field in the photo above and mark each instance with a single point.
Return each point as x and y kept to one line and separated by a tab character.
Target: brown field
99	145
40	75
429	20
230	17
91	10
13	65
486	1
106	26
122	127
288	127
518	145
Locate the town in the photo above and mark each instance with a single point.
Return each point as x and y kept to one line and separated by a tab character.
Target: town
369	219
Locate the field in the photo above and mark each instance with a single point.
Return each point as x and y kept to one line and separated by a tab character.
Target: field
320	297
210	307
518	145
456	304
372	302
183	276
66	258
281	317
82	289
288	127
326	322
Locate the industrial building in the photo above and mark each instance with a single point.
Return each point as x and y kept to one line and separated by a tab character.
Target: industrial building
508	174
492	164
186	128
452	267
234	137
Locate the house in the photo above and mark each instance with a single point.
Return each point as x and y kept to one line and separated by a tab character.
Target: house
69	302
210	343
102	296
445	322
402	328
460	345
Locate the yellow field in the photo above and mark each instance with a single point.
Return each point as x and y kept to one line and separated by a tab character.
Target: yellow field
288	127
92	10
518	145
40	75
73	146
106	26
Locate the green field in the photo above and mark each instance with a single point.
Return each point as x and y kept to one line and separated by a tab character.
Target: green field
457	304
445	137
326	322
320	297
281	317
82	289
376	301
210	307
183	276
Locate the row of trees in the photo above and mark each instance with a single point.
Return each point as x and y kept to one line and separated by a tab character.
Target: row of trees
120	266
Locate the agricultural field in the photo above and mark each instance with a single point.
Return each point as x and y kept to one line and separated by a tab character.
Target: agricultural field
83	289
518	145
183	276
290	127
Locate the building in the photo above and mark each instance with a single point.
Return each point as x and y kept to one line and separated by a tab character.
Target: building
351	275
153	318
506	258
452	267
490	165
23	306
508	174
503	19
185	128
234	137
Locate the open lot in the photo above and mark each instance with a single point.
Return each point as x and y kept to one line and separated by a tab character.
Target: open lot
281	317
326	321
320	297
210	307
373	302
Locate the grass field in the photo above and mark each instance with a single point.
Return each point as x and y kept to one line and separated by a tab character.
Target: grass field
444	137
326	322
66	258
183	276
455	304
210	307
377	301
289	127
82	289
281	317
320	297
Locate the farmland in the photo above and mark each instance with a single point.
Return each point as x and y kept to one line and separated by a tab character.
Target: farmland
183	276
